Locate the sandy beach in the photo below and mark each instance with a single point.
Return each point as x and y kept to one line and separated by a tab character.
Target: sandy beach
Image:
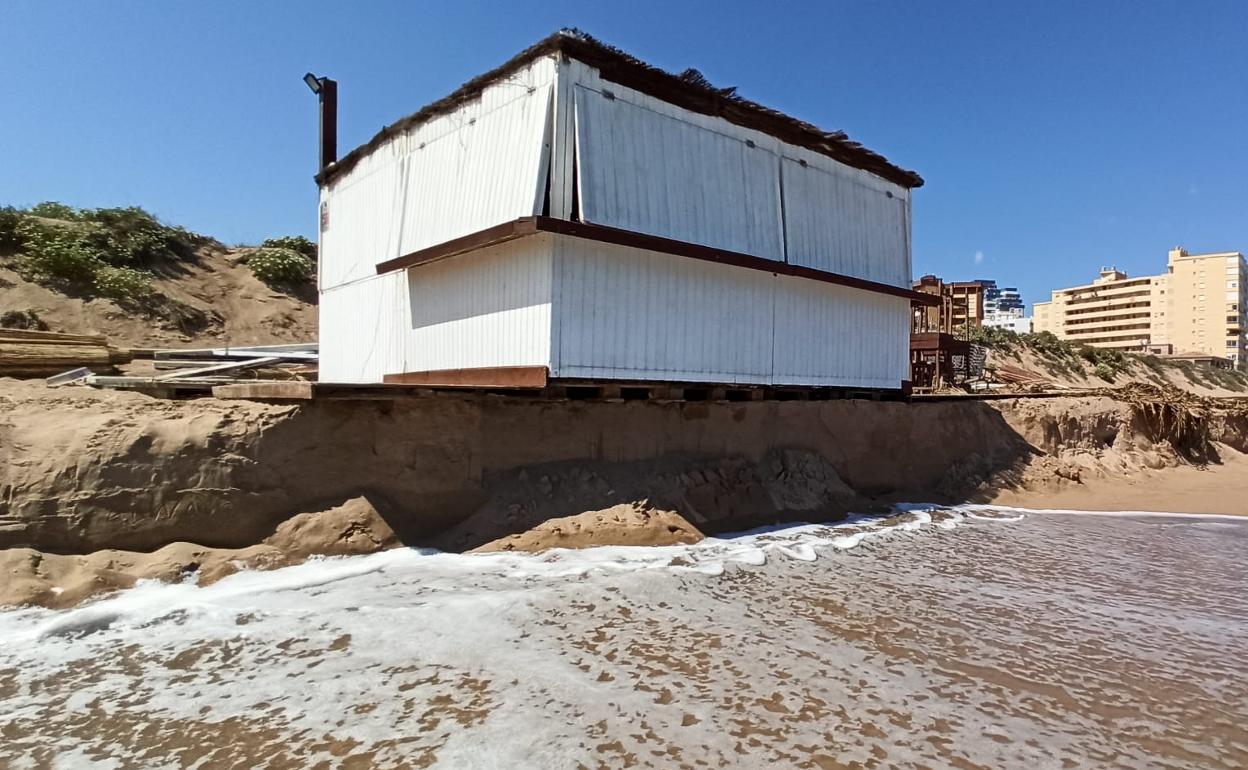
1216	488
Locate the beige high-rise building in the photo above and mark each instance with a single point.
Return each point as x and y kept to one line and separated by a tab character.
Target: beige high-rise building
1207	304
1114	311
1197	306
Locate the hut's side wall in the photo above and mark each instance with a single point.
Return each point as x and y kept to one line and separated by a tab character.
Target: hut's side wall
630	314
649	170
483	309
845	220
625	313
362	329
479	165
830	335
644	164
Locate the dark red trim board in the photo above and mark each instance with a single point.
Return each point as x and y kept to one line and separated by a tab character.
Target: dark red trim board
527	226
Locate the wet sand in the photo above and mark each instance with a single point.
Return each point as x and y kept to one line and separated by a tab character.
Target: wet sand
1218	488
939	641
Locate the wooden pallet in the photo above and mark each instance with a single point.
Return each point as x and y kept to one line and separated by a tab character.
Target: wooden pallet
269	390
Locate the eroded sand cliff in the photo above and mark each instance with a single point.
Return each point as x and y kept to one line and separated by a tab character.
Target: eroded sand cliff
84	471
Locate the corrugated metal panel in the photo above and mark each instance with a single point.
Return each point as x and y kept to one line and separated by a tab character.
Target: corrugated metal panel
627	313
586	77
632	314
493	169
483	164
836	336
841	219
845	220
642	170
362	327
362	221
487	308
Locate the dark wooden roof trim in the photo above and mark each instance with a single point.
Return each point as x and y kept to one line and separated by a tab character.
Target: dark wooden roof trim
692	94
527	226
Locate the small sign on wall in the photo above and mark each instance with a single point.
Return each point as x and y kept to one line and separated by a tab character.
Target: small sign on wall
324	216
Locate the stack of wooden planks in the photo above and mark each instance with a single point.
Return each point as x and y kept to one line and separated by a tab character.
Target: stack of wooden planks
28	353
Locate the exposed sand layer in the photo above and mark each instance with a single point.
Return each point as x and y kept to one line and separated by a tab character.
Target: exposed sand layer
1215	488
630	524
61	580
85	471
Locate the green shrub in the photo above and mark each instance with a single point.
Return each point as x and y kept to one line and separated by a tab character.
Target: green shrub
280	267
130	236
53	210
294	243
123	283
55	254
10	238
98	251
1048	344
1105	372
1004	340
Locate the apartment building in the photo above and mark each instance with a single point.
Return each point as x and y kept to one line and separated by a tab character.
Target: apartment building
1114	311
1196	306
1207	302
1003	300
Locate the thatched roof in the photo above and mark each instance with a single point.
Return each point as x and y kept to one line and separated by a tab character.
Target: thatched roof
688	90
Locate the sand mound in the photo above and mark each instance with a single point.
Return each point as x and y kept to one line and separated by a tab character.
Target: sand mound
211	299
628	524
352	528
28	576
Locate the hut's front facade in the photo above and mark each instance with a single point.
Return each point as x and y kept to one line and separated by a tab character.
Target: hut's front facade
578	215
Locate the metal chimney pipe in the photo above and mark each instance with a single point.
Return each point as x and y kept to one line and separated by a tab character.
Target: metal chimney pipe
329	121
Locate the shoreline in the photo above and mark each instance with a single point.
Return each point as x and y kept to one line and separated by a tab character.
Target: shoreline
64	581
1214	489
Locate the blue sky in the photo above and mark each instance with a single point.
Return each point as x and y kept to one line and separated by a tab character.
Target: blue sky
1054	136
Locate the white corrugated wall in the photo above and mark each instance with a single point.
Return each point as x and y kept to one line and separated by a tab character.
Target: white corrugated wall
845	220
492	169
701	181
478	166
482	309
837	336
481	165
597	310
654	173
363	327
627	313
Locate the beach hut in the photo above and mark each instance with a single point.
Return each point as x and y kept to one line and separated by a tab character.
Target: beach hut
579	216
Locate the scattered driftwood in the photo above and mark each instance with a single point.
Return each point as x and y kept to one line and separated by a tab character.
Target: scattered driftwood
1167	413
29	353
1016	375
